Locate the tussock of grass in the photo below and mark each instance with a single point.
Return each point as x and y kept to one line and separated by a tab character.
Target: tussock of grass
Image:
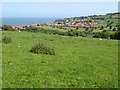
42	48
6	39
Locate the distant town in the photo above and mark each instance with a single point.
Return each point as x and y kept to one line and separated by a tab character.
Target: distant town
68	22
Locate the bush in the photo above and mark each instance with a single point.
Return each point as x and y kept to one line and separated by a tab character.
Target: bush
97	36
6	39
114	29
39	47
105	34
77	28
101	28
110	27
112	36
117	35
83	34
7	28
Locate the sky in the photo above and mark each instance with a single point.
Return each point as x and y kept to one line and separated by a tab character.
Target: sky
59	0
57	9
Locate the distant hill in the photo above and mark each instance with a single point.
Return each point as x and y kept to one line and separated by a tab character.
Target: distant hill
107	16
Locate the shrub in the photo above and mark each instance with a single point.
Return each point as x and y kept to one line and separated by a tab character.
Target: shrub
39	47
83	34
112	36
6	39
77	28
105	34
117	35
110	27
114	29
7	28
101	28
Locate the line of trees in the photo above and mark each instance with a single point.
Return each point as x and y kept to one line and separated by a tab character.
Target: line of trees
50	31
108	35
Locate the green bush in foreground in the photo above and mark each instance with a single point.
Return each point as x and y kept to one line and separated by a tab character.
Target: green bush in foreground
6	39
39	47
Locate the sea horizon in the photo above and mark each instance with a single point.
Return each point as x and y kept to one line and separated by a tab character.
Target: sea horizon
15	21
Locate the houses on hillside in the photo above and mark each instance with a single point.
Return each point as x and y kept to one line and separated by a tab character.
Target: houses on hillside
74	22
69	22
23	26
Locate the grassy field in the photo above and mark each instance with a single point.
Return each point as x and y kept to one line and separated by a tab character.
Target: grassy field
115	22
80	29
63	30
78	62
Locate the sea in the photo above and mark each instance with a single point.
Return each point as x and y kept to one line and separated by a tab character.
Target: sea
26	21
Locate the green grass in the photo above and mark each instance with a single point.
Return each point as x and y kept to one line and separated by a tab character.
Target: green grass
78	62
102	24
63	30
115	22
80	29
96	30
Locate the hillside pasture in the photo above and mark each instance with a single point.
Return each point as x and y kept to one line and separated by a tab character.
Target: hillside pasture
78	62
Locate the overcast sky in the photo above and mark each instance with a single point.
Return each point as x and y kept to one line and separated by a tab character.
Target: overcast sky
57	9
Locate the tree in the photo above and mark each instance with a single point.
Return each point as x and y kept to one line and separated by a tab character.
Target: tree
112	36
90	20
108	21
116	26
105	34
86	29
111	23
78	34
77	28
114	29
110	27
38	25
25	26
7	28
71	34
110	17
117	35
101	28
107	25
92	29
